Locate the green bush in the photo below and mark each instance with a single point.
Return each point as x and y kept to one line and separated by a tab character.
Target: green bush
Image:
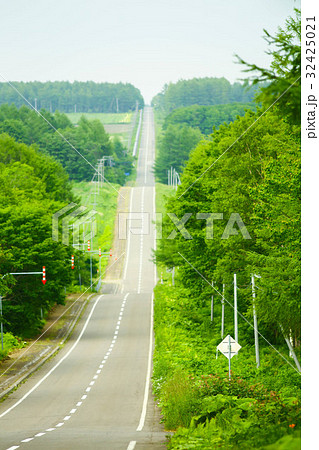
10	342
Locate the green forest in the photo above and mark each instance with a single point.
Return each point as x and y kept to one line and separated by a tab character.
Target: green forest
88	137
72	97
236	211
202	91
45	164
183	128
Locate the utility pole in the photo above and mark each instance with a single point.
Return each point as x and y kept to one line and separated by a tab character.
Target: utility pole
212	306
223	312
235	308
255	321
89	250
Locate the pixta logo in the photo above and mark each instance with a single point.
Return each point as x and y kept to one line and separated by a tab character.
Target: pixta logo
138	223
79	222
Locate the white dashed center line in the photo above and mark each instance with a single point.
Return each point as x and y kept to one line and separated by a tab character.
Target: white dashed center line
88	389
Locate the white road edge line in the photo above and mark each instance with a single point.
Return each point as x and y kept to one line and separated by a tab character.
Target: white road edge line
131	445
57	365
148	374
141	249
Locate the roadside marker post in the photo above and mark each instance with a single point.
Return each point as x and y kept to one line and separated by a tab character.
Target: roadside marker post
100	253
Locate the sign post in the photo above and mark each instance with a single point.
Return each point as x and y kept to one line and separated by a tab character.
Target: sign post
229	347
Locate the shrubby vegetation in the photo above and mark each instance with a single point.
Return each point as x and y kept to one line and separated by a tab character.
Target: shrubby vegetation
89	138
255	409
10	342
250	168
80	96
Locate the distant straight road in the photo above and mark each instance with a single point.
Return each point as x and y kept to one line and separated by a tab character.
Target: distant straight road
95	393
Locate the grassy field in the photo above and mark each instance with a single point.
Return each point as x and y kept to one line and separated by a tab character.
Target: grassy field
106	119
106	206
163	191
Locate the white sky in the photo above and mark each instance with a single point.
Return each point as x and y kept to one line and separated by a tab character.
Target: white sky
144	42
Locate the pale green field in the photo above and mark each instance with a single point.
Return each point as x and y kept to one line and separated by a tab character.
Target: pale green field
106	119
162	193
106	206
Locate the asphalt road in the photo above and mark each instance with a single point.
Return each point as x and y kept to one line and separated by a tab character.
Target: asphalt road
95	394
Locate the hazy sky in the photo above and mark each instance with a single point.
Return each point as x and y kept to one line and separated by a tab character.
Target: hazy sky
144	42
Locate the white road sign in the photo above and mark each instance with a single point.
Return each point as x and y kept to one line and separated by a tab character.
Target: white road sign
223	347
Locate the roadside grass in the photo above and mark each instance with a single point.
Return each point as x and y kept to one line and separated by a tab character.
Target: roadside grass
106	207
163	192
105	118
256	409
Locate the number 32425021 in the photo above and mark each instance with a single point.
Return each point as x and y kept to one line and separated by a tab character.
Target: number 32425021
310	50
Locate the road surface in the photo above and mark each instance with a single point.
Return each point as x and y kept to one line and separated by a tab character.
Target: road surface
95	394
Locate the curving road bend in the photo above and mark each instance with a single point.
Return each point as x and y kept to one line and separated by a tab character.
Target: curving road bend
95	394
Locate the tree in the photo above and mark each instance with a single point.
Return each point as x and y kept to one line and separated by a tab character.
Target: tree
236	184
174	149
34	187
283	77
